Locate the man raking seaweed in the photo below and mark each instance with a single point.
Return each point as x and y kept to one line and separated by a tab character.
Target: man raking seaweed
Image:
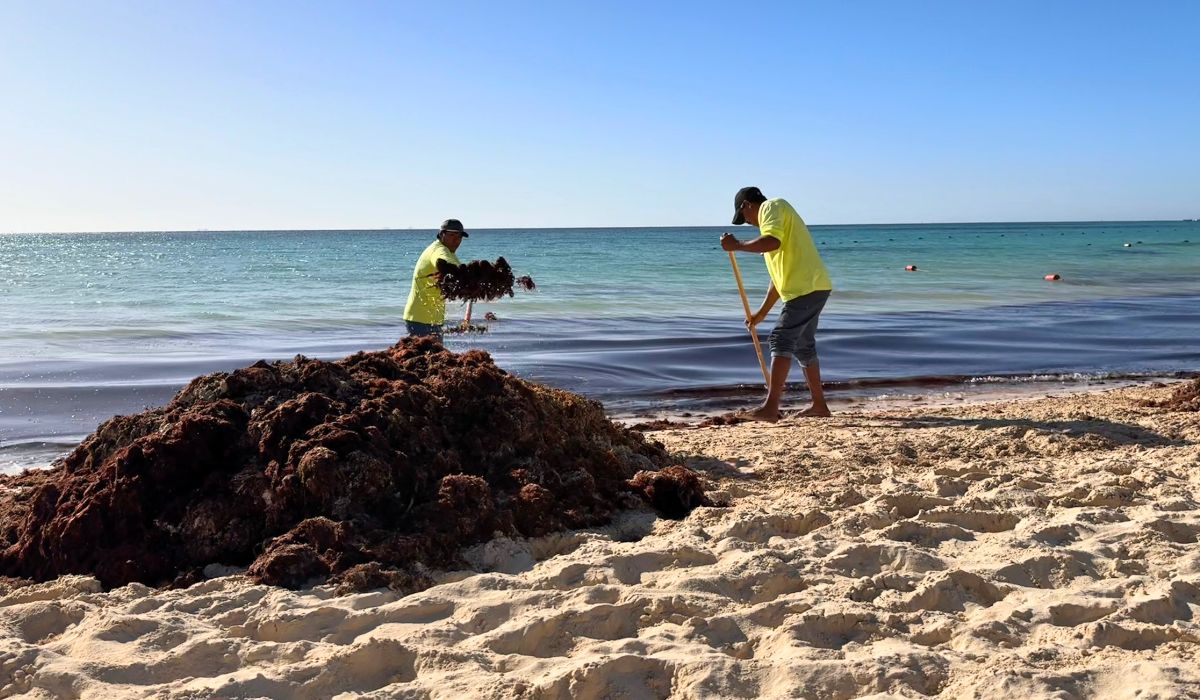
799	278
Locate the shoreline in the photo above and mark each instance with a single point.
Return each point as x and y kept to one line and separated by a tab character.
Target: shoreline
39	453
1033	547
900	397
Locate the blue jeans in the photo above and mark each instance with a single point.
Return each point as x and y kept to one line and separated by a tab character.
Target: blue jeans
418	330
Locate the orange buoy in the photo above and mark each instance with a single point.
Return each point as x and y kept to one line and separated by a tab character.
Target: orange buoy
910	268
1052	277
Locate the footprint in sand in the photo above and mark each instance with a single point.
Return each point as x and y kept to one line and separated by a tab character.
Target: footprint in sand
41	622
974	520
762	527
1179	533
556	635
1165	609
1072	614
906	505
1132	636
636	676
1048	570
953	591
834	630
925	534
858	560
1056	535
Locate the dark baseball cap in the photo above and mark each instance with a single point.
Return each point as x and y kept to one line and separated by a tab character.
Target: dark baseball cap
746	194
455	226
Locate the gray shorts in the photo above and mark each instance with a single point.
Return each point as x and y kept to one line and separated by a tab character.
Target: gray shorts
795	333
418	329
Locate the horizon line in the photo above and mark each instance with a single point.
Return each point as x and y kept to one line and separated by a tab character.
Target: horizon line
583	228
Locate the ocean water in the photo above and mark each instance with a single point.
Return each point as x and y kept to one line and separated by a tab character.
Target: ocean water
93	325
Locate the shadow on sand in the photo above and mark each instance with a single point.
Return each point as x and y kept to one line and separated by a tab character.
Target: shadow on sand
1118	433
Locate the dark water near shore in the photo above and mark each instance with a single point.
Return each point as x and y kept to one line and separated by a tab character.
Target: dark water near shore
644	321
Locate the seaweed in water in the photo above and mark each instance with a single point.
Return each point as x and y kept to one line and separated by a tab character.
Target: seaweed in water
658	424
363	472
479	280
464	328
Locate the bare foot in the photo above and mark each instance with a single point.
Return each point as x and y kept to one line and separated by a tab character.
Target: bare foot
761	414
815	412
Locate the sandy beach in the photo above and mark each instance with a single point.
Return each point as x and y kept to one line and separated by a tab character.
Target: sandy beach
1040	548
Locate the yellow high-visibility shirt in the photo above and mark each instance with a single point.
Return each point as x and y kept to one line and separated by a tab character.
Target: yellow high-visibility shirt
795	266
425	301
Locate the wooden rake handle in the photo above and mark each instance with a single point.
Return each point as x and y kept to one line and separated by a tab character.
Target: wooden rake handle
737	275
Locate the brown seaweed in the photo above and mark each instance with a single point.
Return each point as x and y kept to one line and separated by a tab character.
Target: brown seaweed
1185	397
464	328
659	424
362	471
723	420
673	492
479	280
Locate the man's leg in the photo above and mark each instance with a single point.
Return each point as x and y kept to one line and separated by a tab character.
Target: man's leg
782	342
794	337
769	411
806	353
812	374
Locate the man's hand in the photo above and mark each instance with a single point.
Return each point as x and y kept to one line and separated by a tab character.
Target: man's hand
730	242
756	319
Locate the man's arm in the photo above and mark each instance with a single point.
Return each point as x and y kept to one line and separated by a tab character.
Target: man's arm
449	257
768	302
762	244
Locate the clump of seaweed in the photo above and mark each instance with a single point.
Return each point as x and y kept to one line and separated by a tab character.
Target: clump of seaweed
658	424
723	420
464	328
674	492
1186	397
362	472
479	280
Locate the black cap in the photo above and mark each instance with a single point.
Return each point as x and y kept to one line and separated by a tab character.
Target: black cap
746	194
455	226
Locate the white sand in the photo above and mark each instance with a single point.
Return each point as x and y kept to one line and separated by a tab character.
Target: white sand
1040	549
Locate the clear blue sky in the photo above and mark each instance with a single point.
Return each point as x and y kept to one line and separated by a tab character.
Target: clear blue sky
225	115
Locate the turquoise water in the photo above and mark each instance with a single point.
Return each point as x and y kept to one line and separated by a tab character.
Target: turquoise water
72	289
96	324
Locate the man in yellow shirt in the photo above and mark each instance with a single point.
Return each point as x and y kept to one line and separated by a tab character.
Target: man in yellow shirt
799	278
425	312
